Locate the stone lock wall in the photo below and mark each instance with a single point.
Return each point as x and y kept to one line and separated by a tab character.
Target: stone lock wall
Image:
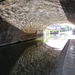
10	34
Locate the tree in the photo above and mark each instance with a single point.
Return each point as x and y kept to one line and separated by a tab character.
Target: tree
67	28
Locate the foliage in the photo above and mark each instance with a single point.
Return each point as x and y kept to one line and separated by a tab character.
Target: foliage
51	30
66	28
47	34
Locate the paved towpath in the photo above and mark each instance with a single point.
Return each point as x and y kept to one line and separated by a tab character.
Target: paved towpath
69	61
65	63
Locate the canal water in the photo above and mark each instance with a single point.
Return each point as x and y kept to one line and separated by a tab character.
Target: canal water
27	58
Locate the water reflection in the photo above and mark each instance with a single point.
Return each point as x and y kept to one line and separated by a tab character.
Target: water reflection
27	58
